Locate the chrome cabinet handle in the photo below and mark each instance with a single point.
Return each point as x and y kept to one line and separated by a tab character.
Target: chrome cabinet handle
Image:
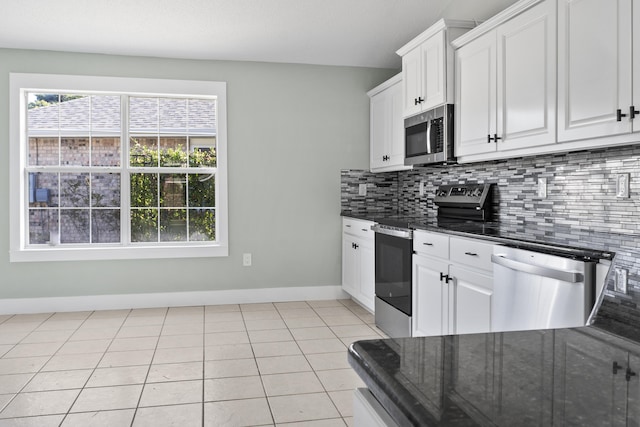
428	244
471	253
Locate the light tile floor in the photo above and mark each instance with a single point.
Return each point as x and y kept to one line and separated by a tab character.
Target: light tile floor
271	364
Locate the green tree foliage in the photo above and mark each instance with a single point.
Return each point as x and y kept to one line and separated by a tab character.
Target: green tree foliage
151	191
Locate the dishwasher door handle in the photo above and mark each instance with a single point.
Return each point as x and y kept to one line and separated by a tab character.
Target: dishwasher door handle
565	276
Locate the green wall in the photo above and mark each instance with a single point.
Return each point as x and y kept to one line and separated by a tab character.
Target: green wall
291	129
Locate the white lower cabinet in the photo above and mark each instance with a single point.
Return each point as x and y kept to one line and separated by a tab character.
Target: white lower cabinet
430	297
358	261
368	412
451	291
473	291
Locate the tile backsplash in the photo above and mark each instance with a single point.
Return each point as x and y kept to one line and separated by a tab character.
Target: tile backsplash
581	197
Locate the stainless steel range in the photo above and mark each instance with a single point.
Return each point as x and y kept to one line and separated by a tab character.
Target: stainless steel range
394	251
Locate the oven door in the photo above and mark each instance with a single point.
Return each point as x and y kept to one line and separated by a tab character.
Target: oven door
393	271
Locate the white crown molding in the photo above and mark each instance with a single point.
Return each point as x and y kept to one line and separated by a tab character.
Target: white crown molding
435	28
493	22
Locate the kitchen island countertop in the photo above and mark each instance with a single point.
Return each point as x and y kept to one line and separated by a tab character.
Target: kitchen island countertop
582	376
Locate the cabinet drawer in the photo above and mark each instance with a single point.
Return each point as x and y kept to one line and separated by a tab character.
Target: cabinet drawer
433	244
472	253
358	227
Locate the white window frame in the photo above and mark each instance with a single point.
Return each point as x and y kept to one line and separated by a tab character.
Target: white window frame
20	83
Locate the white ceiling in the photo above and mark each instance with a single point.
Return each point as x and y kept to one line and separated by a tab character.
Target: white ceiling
331	32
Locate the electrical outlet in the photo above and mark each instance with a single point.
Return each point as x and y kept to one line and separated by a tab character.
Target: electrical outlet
622	185
621	280
542	188
362	189
246	260
421	188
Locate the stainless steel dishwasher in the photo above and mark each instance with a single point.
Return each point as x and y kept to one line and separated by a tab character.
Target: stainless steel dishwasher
535	290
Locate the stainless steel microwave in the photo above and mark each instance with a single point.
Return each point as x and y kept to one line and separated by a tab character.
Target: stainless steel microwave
428	136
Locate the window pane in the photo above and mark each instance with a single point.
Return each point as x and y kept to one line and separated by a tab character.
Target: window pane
202	115
105	114
44	151
74	226
43	189
173	190
105	226
144	151
203	151
75	112
144	190
105	190
202	190
74	151
105	151
202	225
143	114
173	151
43	111
42	223
144	225
173	225
173	114
74	190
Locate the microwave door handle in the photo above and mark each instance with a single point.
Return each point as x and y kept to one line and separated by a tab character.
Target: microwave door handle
428	136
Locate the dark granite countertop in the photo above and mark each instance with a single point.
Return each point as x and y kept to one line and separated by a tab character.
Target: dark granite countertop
555	239
580	376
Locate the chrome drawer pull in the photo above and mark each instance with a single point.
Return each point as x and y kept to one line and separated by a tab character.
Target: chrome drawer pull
428	244
471	254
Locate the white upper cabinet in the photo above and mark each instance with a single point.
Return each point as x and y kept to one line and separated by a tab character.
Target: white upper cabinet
476	96
387	127
595	68
506	82
527	78
427	66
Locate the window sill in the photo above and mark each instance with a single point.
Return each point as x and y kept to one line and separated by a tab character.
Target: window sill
116	253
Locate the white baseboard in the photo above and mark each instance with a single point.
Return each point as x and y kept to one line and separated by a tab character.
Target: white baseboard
168	299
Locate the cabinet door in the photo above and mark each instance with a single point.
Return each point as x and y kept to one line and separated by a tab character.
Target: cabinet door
396	128
350	266
476	96
430	297
525	378
594	68
380	129
433	71
586	391
367	261
412	82
387	130
526	77
473	292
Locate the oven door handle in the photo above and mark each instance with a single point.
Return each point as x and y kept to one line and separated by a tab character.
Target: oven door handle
403	234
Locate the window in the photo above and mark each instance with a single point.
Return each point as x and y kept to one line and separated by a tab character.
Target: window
107	168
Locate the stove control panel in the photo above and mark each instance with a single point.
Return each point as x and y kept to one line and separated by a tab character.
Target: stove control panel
462	194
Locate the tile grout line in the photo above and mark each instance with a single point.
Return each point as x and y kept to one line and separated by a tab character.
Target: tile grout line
164	320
